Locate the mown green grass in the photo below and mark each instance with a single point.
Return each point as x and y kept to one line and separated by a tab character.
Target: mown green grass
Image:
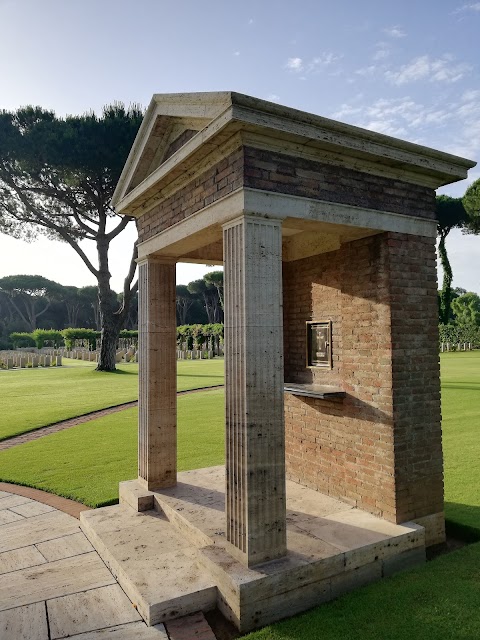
33	398
461	441
87	462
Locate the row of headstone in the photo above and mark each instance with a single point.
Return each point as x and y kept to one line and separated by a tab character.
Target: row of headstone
25	360
455	346
195	354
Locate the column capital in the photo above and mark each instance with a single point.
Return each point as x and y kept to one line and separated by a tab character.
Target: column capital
251	217
156	259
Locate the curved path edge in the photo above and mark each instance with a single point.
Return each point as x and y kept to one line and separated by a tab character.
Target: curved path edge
86	417
66	505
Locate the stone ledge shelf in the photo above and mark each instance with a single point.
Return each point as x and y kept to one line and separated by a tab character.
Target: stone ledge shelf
322	391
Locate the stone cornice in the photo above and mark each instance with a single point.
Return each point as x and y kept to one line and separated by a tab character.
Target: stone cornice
226	114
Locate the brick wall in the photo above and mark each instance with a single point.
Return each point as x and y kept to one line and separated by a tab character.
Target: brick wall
271	171
416	372
379	448
210	186
182	139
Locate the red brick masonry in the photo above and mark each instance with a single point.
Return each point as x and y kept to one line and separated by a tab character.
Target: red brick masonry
281	173
379	448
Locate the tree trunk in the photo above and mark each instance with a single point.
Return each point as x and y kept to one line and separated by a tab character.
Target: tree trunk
108	346
446	292
110	319
112	313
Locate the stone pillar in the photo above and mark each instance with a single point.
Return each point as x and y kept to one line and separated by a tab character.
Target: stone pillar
255	438
157	407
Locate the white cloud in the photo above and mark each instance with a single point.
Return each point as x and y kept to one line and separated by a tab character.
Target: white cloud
325	59
395	117
453	126
294	64
367	71
469	7
395	32
236	53
381	53
315	65
272	97
442	69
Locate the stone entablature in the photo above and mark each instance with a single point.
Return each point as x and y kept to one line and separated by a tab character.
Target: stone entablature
270	171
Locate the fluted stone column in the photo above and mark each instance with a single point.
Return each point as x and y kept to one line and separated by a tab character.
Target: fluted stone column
255	439
157	405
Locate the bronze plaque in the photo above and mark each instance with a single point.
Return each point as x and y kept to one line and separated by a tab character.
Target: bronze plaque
319	344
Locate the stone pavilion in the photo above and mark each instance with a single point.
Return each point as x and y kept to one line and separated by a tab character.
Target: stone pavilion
334	472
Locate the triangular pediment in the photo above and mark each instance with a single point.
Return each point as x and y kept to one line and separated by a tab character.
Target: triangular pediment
170	121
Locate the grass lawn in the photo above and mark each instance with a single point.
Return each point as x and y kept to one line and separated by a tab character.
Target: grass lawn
435	602
33	398
87	462
461	440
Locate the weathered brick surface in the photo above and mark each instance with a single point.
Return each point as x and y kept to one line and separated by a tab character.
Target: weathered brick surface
210	186
179	142
280	173
416	372
271	171
380	448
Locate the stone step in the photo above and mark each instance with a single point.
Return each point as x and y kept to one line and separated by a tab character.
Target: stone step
153	562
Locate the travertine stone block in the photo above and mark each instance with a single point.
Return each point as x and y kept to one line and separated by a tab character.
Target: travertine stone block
255	440
25	623
157	426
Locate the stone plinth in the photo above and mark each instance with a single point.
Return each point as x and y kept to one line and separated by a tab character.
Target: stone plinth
173	558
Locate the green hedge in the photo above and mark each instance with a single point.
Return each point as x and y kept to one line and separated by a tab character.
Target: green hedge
41	336
70	335
454	333
199	336
22	339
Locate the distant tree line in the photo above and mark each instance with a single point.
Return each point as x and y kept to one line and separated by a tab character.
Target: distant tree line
464	318
30	302
454	213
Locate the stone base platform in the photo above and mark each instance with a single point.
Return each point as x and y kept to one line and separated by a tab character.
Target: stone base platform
168	551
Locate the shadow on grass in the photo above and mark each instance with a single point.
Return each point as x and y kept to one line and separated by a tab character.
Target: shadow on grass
462	521
461	386
117	372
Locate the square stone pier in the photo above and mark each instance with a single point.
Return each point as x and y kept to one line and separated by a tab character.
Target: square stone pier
334	473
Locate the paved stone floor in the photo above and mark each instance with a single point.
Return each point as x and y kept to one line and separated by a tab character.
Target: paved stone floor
52	582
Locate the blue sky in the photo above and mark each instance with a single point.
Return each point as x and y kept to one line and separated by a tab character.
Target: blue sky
408	69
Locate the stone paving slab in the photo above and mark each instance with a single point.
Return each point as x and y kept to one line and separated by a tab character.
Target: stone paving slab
53	584
30	531
12	501
30	509
88	611
132	631
52	580
7	516
66	547
20	559
24	623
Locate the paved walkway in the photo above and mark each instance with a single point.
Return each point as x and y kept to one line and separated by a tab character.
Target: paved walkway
73	422
54	585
